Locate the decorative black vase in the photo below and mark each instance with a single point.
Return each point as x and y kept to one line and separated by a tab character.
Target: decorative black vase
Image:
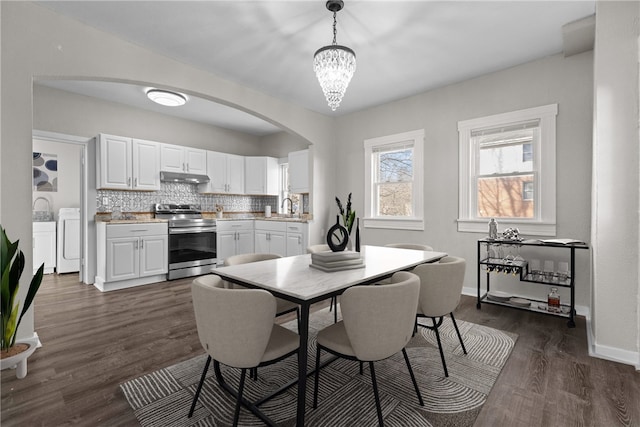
337	237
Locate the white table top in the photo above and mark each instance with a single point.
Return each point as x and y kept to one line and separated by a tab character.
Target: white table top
292	276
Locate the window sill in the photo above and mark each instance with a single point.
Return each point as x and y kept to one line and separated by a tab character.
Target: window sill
395	223
526	228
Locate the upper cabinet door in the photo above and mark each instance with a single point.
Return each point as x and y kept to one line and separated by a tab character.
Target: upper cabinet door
217	172
172	158
235	174
146	165
113	166
195	160
261	176
299	172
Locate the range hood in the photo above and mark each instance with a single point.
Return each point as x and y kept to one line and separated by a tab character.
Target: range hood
189	178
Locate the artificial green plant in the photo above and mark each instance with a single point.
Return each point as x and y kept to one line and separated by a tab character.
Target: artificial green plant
12	267
348	216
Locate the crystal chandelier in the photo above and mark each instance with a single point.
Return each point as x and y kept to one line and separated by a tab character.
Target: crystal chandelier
334	65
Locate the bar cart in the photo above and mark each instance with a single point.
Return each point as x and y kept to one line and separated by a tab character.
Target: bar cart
490	261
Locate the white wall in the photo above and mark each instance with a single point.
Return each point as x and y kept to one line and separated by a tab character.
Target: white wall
69	158
69	113
615	225
555	79
37	43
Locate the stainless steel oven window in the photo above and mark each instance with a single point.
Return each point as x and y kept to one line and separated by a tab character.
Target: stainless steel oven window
191	244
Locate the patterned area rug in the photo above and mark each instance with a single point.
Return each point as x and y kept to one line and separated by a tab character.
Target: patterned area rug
163	398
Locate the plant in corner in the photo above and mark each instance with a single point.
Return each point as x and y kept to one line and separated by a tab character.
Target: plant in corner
12	267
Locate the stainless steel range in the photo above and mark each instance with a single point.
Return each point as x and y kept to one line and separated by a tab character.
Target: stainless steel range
192	240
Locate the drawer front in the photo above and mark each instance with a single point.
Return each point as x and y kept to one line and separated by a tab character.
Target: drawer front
271	225
235	225
142	229
295	227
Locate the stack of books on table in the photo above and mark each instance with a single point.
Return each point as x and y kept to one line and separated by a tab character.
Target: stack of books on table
336	261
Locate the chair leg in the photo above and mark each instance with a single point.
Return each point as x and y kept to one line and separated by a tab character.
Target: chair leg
375	393
413	378
458	332
335	309
444	364
361	368
204	375
317	378
298	318
236	414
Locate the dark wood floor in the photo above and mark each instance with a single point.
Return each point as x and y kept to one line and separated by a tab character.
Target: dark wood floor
94	341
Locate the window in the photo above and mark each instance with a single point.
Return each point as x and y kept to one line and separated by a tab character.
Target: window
527	190
393	180
507	171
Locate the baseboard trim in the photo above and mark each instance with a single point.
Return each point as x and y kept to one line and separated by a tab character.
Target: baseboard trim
599	351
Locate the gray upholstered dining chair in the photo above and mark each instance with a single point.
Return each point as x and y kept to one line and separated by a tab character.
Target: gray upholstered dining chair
282	306
440	290
236	328
415	246
377	323
323	247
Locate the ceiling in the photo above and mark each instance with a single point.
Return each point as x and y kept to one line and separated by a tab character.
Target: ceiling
402	47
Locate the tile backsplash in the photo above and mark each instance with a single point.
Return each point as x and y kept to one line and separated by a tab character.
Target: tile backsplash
181	193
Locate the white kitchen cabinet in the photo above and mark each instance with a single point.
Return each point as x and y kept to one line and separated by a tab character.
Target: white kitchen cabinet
234	238
271	237
131	254
299	172
44	246
226	174
261	175
146	165
297	238
127	164
176	158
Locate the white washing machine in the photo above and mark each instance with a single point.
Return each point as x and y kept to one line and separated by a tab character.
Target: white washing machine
68	240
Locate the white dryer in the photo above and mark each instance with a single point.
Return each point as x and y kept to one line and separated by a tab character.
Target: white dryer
68	240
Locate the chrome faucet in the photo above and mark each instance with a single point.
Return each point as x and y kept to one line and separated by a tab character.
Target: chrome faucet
290	205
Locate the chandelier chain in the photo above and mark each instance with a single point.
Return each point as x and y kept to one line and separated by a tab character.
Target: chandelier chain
335	31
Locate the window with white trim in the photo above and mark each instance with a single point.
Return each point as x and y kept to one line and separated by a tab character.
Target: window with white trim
507	171
394	181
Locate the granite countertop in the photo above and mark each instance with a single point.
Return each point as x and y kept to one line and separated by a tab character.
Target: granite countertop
128	219
303	219
141	218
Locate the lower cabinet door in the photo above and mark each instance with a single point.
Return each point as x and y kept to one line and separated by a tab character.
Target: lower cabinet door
123	261
294	244
225	245
153	255
277	243
244	244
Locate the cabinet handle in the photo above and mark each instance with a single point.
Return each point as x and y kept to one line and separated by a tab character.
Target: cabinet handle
129	182
184	168
135	246
141	244
135	182
299	240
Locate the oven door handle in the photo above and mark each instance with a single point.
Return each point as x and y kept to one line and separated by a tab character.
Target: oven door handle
192	230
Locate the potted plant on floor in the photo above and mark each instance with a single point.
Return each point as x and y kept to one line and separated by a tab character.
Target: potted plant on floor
15	353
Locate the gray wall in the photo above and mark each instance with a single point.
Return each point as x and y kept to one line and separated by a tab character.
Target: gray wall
566	81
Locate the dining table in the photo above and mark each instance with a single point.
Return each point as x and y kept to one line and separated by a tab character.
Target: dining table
293	279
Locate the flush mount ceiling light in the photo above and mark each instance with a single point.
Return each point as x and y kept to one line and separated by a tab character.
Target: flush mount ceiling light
166	98
334	65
